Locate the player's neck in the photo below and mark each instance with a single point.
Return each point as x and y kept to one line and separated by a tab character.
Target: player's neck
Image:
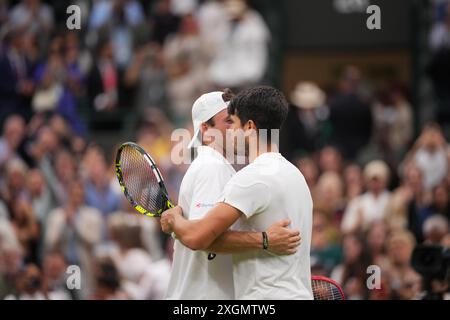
261	149
214	146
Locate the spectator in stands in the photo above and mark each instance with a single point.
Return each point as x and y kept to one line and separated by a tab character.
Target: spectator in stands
26	228
148	230
211	23
400	245
54	269
441	201
108	282
65	172
310	171
440	33
75	229
29	285
330	159
99	193
119	18
163	21
353	181
242	57
370	206
36	18
439	67
14	184
12	137
434	229
11	261
16	84
325	249
429	153
303	129
107	92
350	115
329	195
59	80
185	60
408	206
376	237
352	272
393	126
410	286
32	15
148	74
131	259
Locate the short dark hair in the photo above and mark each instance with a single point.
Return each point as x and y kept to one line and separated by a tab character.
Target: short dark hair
226	96
265	106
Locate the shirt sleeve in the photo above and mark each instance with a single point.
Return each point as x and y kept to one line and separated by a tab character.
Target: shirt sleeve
249	198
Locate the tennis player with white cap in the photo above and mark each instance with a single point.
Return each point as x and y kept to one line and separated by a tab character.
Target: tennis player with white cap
270	188
209	274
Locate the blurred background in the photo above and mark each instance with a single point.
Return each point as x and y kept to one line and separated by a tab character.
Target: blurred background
368	126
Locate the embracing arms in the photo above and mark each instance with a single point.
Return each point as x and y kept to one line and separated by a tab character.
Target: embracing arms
210	233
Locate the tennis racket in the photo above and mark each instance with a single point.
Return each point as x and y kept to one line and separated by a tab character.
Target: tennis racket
141	181
326	289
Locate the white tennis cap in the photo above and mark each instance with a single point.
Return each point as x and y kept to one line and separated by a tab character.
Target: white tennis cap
204	108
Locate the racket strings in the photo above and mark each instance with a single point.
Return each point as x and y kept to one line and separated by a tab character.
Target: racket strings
324	290
141	182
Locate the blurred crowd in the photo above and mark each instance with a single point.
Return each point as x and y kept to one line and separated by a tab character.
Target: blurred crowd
99	76
137	66
134	66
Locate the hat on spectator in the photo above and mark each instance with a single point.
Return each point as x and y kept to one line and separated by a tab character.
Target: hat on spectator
204	108
376	169
307	95
435	223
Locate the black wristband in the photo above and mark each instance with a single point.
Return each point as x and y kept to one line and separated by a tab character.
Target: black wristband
265	240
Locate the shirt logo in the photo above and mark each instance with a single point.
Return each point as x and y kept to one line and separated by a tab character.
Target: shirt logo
204	205
211	256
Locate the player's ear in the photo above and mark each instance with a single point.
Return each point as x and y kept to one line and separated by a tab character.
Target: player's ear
250	125
203	127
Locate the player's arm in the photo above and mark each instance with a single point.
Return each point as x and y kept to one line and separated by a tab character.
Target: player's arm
200	234
281	240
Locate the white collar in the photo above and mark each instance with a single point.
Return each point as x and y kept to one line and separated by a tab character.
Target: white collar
208	151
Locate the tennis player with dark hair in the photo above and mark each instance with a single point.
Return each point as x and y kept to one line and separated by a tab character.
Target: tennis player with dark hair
203	274
270	188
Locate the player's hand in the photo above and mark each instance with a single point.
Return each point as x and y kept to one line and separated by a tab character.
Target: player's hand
283	240
168	218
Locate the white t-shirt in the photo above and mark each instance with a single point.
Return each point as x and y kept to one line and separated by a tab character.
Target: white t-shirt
196	274
266	191
370	208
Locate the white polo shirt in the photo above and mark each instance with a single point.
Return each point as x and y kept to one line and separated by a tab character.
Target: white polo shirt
194	276
268	190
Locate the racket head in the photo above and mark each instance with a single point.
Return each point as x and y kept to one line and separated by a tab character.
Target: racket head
326	289
141	181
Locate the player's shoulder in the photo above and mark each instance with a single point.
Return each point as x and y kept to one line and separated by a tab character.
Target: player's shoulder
247	176
207	167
